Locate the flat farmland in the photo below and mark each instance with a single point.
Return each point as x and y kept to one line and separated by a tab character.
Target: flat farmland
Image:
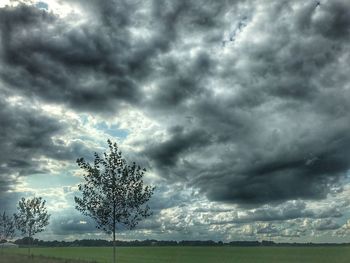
196	254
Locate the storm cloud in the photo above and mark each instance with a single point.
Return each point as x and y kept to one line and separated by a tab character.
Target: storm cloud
244	103
275	106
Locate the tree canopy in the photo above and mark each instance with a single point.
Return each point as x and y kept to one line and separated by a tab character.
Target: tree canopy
7	227
32	216
113	192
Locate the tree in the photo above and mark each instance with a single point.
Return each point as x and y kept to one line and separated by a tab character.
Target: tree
7	227
113	192
32	217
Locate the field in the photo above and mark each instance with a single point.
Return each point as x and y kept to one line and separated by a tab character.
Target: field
11	258
194	254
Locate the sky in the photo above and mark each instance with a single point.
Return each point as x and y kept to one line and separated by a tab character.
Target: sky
239	111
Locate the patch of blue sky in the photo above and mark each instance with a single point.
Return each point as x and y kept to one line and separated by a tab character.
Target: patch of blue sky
40	181
347	177
84	118
344	218
42	5
112	130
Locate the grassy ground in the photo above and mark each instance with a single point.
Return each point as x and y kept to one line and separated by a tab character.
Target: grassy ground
199	254
12	258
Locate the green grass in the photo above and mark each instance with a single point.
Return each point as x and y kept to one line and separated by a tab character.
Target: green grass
13	258
199	254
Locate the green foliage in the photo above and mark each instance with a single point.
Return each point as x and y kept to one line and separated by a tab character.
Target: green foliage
7	227
113	192
32	216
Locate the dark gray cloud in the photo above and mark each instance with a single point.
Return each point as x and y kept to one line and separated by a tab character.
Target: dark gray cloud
288	211
185	82
278	131
27	141
25	134
167	153
326	224
258	117
96	66
269	229
72	225
84	67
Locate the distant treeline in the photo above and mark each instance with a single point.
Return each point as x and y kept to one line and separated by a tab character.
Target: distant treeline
152	242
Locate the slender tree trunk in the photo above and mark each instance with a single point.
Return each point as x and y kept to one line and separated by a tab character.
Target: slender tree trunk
114	217
114	254
30	239
114	250
29	246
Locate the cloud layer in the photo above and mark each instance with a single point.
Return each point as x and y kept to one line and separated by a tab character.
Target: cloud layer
243	102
